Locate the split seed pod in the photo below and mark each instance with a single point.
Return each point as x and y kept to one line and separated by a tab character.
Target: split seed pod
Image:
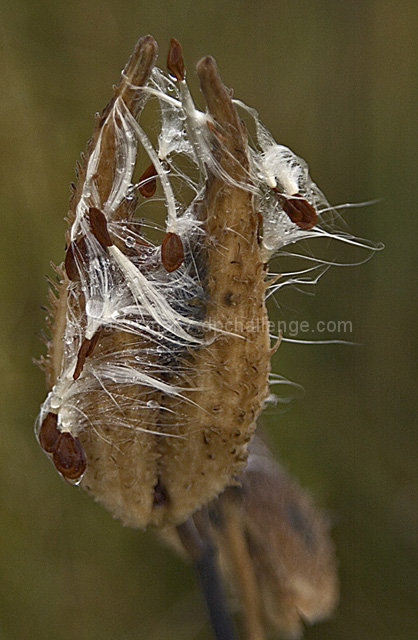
164	405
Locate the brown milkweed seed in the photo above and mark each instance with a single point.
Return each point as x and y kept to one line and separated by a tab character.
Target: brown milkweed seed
81	357
172	252
98	226
175	62
75	258
148	182
49	433
300	211
69	457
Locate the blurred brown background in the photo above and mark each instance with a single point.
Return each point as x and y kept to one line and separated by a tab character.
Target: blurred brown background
334	80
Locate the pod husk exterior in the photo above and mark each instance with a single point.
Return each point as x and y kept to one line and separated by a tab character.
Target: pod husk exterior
224	382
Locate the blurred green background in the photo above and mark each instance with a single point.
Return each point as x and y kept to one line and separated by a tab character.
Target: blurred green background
334	80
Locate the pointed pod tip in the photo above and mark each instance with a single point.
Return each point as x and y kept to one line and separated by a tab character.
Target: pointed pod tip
141	62
207	62
147	43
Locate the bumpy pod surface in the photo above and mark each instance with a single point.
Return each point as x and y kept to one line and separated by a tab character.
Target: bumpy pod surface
158	358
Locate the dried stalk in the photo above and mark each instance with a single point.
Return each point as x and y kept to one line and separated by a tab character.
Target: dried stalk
199	546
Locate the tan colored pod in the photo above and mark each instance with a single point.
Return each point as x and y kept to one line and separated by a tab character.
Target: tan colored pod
230	374
164	415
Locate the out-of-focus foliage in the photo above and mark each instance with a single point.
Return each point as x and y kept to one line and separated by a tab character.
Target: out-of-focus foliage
335	82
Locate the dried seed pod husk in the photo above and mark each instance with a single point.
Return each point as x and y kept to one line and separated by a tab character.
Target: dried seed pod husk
232	370
164	421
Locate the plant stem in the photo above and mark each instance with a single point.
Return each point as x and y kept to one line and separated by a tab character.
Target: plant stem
199	546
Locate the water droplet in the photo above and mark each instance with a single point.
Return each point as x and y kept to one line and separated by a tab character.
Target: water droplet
55	402
153	404
130	241
94	307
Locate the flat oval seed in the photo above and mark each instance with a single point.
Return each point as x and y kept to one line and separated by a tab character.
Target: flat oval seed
300	211
98	226
69	457
81	357
70	264
93	343
175	62
48	433
150	183
72	267
172	252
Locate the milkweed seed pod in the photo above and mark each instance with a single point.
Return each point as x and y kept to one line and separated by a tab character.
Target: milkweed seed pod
158	358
